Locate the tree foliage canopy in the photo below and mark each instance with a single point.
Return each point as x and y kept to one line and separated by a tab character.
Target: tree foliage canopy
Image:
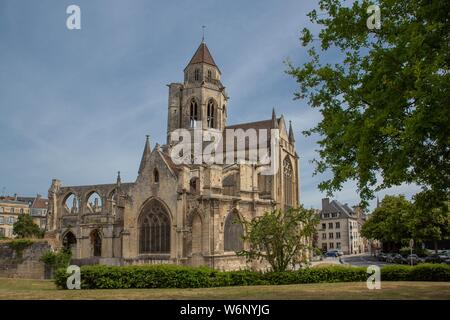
385	100
280	237
389	222
26	228
397	220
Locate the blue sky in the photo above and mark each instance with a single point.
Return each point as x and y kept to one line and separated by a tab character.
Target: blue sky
76	105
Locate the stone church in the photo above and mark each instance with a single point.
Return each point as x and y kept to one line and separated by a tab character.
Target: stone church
177	213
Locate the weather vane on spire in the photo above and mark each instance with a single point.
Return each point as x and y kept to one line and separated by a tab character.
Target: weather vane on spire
203	33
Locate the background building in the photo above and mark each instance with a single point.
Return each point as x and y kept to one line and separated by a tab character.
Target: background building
38	211
340	228
10	209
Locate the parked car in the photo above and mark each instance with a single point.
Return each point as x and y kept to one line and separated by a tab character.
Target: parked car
433	258
390	257
381	256
398	258
339	252
332	254
444	254
413	259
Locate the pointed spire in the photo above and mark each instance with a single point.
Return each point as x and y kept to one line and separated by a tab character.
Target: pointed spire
145	154
119	180
291	133
274	119
281	120
202	55
378	201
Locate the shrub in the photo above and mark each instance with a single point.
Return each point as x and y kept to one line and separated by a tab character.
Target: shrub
57	260
422	272
172	276
430	272
396	273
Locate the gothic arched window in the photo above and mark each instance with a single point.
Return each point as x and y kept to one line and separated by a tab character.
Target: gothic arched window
211	114
193	114
209	75
288	183
233	233
154	227
94	202
71	203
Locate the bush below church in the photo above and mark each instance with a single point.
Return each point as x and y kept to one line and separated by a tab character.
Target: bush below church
172	276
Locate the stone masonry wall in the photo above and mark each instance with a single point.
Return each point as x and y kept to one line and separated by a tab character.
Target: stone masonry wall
24	265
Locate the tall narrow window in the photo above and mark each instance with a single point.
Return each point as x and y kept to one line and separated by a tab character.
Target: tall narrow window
193	115
155	175
96	242
209	75
210	114
288	183
193	184
197	75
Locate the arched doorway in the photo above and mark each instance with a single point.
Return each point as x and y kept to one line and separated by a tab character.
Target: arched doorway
69	241
96	243
154	229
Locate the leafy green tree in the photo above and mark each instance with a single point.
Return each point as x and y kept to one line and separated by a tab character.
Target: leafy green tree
430	219
389	222
384	100
24	227
280	237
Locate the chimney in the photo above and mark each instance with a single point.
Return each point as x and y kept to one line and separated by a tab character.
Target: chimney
325	203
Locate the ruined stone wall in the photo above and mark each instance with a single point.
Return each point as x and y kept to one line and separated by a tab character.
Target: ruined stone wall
23	264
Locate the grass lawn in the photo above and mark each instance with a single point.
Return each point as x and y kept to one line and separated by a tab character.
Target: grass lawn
43	289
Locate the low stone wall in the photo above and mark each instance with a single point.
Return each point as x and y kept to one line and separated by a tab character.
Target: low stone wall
24	264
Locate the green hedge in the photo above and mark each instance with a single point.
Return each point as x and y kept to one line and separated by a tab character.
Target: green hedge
421	272
172	276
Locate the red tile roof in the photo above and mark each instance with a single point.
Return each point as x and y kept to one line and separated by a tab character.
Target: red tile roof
202	55
40	203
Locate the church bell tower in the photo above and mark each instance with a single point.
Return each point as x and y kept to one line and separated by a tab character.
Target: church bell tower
201	100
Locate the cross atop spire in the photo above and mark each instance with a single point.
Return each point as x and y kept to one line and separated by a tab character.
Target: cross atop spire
203	34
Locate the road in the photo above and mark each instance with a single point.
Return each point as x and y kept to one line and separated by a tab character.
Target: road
362	260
